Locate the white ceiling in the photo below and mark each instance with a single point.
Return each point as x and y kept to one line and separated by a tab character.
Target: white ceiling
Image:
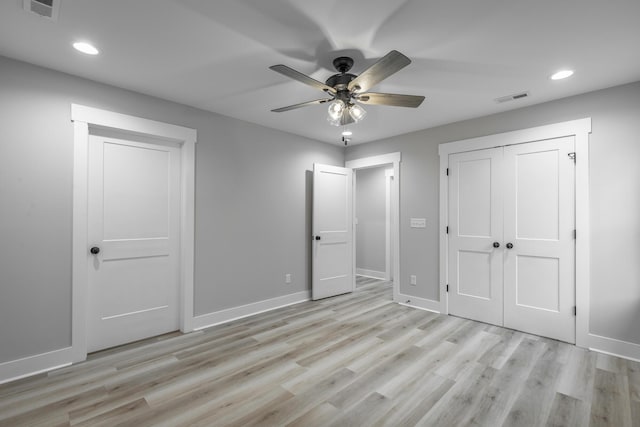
215	55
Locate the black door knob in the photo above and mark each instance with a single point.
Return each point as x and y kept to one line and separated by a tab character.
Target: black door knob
95	250
509	245
496	244
317	237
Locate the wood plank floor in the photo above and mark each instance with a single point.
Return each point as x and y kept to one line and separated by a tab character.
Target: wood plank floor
352	360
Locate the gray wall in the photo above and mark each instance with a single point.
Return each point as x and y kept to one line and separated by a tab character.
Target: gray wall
252	203
253	192
614	191
370	210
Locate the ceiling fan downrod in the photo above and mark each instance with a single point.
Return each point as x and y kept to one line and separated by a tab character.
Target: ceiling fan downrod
343	64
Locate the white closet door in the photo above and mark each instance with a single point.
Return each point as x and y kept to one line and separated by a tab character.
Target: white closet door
475	224
539	290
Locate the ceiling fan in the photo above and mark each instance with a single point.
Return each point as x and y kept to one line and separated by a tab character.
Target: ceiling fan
348	90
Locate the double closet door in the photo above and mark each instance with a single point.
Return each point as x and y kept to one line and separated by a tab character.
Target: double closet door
511	257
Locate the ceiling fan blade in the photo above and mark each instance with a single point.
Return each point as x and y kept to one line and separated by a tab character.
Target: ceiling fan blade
303	78
389	64
392	99
302	104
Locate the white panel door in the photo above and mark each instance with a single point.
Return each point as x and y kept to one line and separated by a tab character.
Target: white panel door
332	231
475	225
134	218
539	290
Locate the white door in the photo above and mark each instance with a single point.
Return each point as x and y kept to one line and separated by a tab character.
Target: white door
332	266
539	263
475	225
134	217
511	244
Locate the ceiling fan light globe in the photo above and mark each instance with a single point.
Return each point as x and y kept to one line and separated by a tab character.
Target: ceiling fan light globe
337	121
335	110
334	122
357	113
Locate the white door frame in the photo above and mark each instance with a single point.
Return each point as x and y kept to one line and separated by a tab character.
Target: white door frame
580	130
388	194
382	160
85	119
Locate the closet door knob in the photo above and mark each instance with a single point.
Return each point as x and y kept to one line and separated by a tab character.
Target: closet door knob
509	245
95	250
496	244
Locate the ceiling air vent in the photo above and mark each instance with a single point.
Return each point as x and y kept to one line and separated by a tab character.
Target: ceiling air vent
44	8
512	97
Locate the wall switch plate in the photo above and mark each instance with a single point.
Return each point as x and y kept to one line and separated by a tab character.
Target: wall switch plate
287	278
413	279
418	222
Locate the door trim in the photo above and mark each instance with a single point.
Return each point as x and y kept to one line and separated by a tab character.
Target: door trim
382	160
85	119
580	130
388	193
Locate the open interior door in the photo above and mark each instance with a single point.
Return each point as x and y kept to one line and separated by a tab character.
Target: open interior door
332	238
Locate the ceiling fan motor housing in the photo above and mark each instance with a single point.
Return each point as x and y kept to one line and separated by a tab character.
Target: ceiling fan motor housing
340	81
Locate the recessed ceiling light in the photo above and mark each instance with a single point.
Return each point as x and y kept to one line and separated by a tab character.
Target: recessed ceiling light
562	74
87	48
347	133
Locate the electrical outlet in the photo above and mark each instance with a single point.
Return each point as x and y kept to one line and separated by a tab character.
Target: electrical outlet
413	280
287	278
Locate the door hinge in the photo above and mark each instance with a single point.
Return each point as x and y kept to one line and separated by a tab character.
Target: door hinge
572	156
447	288
447	171
575	310
447	230
575	233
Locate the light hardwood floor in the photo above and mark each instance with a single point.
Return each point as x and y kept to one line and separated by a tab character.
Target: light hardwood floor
352	360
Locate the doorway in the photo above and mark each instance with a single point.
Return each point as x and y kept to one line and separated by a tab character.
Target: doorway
373	222
391	163
88	121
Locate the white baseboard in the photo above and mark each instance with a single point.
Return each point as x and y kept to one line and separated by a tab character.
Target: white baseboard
32	365
614	347
229	314
421	303
371	273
